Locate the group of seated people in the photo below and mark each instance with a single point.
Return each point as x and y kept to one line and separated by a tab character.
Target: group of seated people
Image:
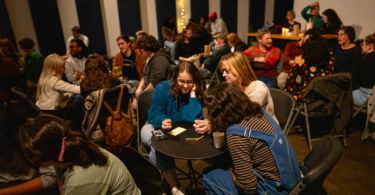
242	102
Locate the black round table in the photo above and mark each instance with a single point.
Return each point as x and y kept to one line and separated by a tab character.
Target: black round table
178	147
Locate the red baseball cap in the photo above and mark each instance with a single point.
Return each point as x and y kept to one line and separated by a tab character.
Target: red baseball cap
212	15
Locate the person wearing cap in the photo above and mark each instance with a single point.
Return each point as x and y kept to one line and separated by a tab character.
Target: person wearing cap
217	24
213	60
264	59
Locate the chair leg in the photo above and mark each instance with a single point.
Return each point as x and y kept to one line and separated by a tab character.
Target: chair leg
344	138
307	127
366	131
289	119
292	123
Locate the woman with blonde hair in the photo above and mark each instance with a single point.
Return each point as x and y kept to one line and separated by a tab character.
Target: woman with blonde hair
236	43
50	89
237	70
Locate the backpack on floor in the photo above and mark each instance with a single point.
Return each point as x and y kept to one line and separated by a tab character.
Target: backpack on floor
119	127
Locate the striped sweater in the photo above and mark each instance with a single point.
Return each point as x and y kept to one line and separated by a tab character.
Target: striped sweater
250	154
272	56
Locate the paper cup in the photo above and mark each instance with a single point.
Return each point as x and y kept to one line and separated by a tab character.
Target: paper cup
218	139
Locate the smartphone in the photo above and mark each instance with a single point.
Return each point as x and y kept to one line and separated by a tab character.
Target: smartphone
159	135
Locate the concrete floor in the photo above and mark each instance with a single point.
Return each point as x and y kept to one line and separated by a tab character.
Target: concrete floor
353	174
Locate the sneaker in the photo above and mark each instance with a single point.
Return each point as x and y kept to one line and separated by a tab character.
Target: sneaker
178	191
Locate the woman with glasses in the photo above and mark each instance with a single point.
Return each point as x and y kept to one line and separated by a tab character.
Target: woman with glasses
179	99
237	70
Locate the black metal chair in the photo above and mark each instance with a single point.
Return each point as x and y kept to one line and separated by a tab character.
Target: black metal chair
26	103
284	105
144	102
146	175
319	163
9	82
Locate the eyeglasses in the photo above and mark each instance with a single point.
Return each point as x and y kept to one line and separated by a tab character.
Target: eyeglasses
181	82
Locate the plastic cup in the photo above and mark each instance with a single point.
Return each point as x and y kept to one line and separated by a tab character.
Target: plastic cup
218	139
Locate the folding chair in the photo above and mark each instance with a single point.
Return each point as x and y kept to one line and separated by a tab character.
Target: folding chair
319	163
284	105
302	109
214	76
144	101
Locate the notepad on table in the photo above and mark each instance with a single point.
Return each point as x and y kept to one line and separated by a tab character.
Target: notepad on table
177	131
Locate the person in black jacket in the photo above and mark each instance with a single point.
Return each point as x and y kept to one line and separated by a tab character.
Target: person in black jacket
332	22
157	68
186	48
363	77
236	43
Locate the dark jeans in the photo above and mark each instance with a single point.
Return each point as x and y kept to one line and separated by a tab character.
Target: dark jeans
270	82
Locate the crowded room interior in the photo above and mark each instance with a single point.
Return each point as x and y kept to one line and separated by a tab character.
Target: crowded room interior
187	97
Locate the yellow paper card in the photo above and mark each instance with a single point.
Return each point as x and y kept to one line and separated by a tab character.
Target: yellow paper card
177	131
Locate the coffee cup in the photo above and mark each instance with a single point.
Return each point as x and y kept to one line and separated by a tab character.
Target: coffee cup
218	139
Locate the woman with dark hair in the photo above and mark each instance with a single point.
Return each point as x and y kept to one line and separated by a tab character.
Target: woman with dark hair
315	62
96	76
169	32
253	140
176	100
332	22
236	43
81	166
347	55
10	51
206	24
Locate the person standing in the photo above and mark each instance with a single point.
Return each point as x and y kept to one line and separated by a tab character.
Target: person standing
33	61
76	34
169	32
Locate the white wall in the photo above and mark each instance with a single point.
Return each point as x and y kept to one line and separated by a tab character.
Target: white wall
148	17
357	13
68	16
268	13
214	6
22	22
111	24
243	19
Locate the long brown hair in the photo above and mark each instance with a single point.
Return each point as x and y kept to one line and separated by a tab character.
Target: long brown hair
189	68
228	105
11	49
41	141
96	74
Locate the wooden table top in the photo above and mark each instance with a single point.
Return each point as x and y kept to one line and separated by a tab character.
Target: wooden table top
279	36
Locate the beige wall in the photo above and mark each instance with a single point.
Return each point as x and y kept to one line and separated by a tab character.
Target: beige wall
22	22
111	24
214	6
148	17
357	13
68	16
243	19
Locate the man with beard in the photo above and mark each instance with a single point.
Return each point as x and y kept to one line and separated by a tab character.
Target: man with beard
292	50
75	64
186	48
266	57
